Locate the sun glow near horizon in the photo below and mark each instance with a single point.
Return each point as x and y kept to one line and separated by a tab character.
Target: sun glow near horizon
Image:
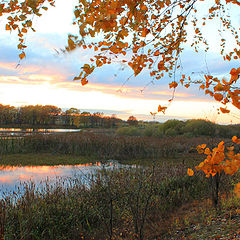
48	94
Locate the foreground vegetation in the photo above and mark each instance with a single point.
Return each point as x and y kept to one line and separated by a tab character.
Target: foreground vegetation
157	201
137	203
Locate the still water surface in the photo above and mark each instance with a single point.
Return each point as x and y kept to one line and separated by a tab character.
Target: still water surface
31	131
13	177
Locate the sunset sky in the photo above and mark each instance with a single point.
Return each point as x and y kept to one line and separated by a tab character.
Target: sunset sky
44	77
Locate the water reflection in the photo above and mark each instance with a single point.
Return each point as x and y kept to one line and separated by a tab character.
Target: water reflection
11	177
6	132
37	130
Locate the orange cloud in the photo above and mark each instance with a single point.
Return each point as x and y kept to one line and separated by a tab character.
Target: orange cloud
169	93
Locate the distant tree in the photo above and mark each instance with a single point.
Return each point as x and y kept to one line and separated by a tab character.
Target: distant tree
85	118
8	114
132	121
72	111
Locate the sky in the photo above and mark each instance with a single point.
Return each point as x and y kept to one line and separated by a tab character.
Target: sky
45	77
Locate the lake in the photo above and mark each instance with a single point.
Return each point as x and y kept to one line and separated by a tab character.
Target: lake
31	131
13	177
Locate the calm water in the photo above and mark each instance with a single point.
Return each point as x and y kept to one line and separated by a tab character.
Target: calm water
12	178
31	131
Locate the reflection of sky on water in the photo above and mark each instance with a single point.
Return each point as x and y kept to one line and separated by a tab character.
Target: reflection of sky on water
12	177
31	131
38	130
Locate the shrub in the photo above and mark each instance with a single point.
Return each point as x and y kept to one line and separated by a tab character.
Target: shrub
200	128
128	131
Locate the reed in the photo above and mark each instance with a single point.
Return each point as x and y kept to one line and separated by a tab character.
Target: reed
103	146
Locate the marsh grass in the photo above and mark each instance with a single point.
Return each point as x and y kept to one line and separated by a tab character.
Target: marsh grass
103	146
40	159
122	204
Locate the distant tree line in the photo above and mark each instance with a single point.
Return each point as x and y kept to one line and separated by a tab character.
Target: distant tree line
189	128
48	115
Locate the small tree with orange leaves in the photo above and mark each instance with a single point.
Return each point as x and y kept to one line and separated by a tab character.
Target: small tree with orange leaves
220	160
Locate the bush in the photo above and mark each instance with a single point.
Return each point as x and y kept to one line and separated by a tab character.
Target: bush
200	128
128	131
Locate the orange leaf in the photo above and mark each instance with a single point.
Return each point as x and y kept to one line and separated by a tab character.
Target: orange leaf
8	27
190	172
156	53
145	31
173	84
143	7
235	140
24	30
207	151
224	110
218	97
84	81
162	109
22	55
161	66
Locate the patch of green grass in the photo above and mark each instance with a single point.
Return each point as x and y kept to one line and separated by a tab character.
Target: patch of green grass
39	159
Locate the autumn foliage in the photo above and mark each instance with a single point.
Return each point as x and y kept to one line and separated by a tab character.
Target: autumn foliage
218	160
149	35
